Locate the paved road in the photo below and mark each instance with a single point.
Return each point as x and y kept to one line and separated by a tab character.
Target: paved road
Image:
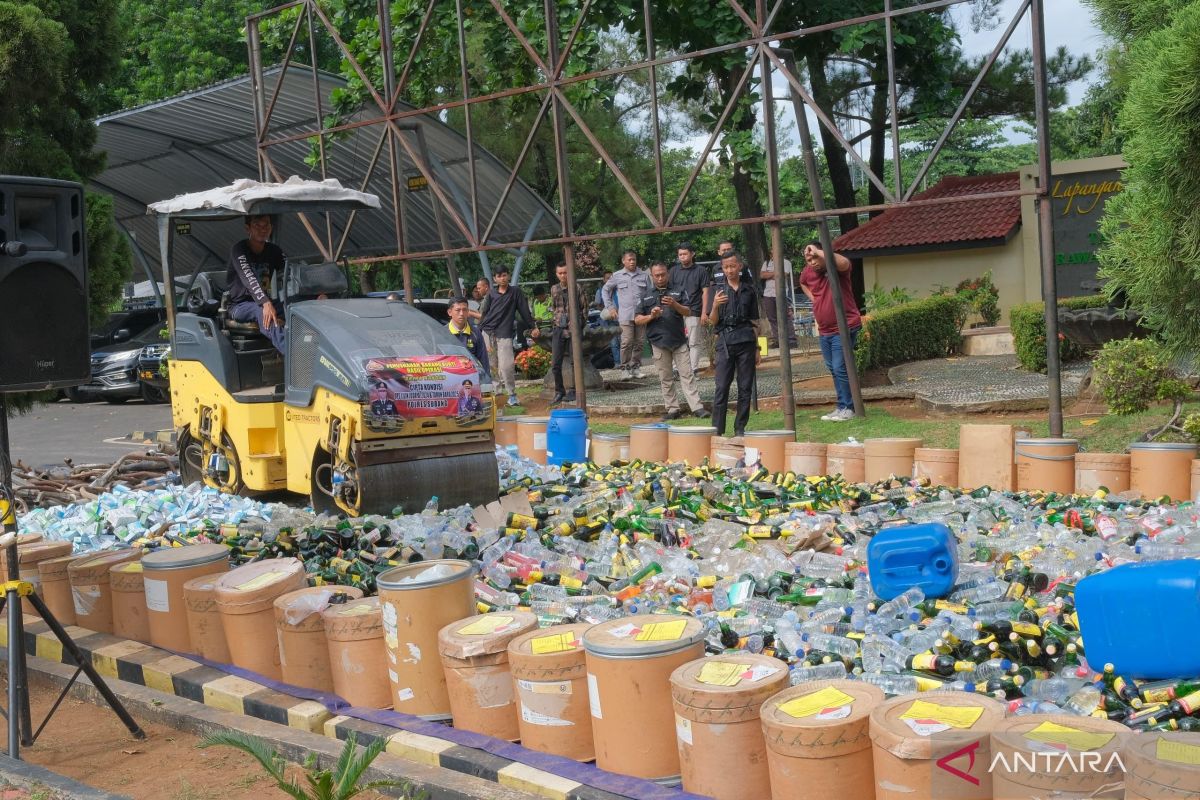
82	431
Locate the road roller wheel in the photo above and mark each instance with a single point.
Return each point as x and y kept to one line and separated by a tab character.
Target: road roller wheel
320	494
191	459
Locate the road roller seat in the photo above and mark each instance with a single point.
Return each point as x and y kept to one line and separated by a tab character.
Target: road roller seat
244	336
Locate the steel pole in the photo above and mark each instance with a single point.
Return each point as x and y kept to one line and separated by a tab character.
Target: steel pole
835	285
1045	221
564	203
787	397
388	57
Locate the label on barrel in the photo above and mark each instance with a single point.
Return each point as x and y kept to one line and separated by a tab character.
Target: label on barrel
1178	752
683	729
539	441
260	581
545	687
827	703
594	696
537	718
721	673
486	625
85	597
662	631
1058	736
555	643
157	596
927	718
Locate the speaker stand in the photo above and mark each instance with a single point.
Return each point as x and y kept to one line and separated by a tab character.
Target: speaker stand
20	724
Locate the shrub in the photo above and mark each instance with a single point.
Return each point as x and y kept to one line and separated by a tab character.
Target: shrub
1028	325
1133	373
929	328
982	297
533	362
879	298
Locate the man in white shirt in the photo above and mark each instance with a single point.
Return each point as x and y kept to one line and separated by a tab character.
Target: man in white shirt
767	276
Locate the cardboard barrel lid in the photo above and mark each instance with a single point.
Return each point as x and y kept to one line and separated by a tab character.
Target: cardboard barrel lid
183	557
253	587
549	654
484	634
126	577
200	594
905	725
727	688
23	541
797	721
290	608
355	620
410	576
1163	765
56	568
37	552
1017	738
690	430
97	566
643	636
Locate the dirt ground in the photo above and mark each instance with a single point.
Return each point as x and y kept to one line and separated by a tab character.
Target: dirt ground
89	744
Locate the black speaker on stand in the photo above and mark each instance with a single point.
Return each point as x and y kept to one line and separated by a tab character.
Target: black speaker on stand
43	345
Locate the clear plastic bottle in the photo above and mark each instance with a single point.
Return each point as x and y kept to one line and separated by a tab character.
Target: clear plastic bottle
901	603
1053	690
834	670
892	684
1084	701
847	648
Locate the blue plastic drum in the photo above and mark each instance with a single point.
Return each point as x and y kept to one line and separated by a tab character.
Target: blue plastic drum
566	436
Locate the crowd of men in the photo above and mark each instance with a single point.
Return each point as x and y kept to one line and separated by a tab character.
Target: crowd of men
668	306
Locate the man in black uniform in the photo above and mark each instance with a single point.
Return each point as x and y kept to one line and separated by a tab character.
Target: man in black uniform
731	312
663	312
253	262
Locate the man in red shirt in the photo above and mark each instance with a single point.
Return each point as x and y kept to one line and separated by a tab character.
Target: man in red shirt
814	280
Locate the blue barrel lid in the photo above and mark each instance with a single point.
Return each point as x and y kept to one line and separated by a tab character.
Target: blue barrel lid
567	412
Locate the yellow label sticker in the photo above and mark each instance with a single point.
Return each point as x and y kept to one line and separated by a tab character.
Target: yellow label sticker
721	673
485	625
1052	733
662	631
1179	752
812	704
556	643
131	566
260	581
357	610
954	716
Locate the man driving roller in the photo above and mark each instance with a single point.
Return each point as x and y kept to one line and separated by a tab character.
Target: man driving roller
253	263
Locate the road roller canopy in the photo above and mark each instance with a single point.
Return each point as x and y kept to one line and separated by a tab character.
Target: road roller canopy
294	196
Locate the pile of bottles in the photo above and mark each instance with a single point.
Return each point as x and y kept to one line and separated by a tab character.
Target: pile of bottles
777	564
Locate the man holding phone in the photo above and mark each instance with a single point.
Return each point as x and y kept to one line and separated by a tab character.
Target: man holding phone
814	280
663	312
732	312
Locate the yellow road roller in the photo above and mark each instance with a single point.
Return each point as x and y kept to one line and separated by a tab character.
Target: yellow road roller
375	407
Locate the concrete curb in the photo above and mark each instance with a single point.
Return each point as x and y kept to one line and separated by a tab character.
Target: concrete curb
191	694
31	776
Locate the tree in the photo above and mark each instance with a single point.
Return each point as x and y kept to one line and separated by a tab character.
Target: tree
1151	253
174	46
53	56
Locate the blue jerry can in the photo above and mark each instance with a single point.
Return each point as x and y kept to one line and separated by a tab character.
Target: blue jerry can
904	556
1140	617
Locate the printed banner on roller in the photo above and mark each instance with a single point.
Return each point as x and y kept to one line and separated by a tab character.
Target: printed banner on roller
425	388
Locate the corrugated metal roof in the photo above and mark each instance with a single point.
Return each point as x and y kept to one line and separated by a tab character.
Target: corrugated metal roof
205	139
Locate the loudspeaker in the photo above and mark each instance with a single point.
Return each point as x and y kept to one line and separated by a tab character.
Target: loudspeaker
44	340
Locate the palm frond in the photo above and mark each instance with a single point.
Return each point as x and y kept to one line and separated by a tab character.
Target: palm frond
346	757
348	778
271	761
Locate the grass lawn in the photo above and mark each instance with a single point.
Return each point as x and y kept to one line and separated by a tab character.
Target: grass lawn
1099	433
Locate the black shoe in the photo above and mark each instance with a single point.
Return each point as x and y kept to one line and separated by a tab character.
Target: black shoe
558	398
570	398
673	415
701	413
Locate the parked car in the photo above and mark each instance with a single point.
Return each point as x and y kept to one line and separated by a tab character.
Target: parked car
115	368
155	385
122	325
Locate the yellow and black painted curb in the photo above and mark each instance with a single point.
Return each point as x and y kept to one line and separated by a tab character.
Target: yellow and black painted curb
145	665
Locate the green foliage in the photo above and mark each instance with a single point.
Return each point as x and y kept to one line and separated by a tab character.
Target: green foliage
1152	229
174	46
1028	325
879	298
982	297
340	783
1133	373
929	328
